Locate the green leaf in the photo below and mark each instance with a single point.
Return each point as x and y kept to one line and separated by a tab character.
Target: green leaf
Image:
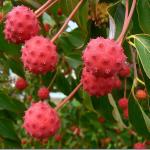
116	113
87	102
117	12
143	9
7	129
81	16
138	118
8	103
141	42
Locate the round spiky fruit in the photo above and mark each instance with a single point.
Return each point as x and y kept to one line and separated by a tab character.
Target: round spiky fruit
21	24
39	55
43	93
139	145
125	71
141	94
41	121
103	57
123	103
97	86
21	84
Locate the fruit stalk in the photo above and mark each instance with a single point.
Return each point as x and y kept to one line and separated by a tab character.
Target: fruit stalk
44	7
127	20
68	97
67	21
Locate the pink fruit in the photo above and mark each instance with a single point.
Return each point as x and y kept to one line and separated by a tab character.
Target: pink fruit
39	55
43	93
97	86
103	57
123	103
139	145
125	113
58	138
125	71
21	84
21	24
41	121
101	119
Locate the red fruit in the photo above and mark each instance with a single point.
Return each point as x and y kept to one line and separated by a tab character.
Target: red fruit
141	94
41	121
59	11
103	57
58	138
125	113
21	84
123	103
101	119
46	27
139	145
1	16
97	86
21	24
39	55
125	71
23	141
43	93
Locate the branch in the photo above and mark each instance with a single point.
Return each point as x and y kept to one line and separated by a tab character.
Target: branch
67	21
127	20
44	7
68	97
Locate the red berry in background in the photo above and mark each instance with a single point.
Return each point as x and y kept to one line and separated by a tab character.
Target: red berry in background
103	57
21	84
97	86
58	137
41	121
21	24
1	16
43	93
23	141
126	113
101	119
141	94
39	55
125	71
139	145
46	27
117	83
123	103
59	11
29	98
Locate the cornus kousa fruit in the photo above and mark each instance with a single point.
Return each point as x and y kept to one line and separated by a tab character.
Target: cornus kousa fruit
123	103
97	86
141	94
103	57
41	121
21	84
125	71
21	24
43	93
39	55
139	145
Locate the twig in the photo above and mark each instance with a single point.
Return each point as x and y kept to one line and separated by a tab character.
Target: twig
44	7
68	97
127	21
67	21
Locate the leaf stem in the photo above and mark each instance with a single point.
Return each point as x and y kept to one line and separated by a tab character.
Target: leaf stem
127	20
67	21
68	97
